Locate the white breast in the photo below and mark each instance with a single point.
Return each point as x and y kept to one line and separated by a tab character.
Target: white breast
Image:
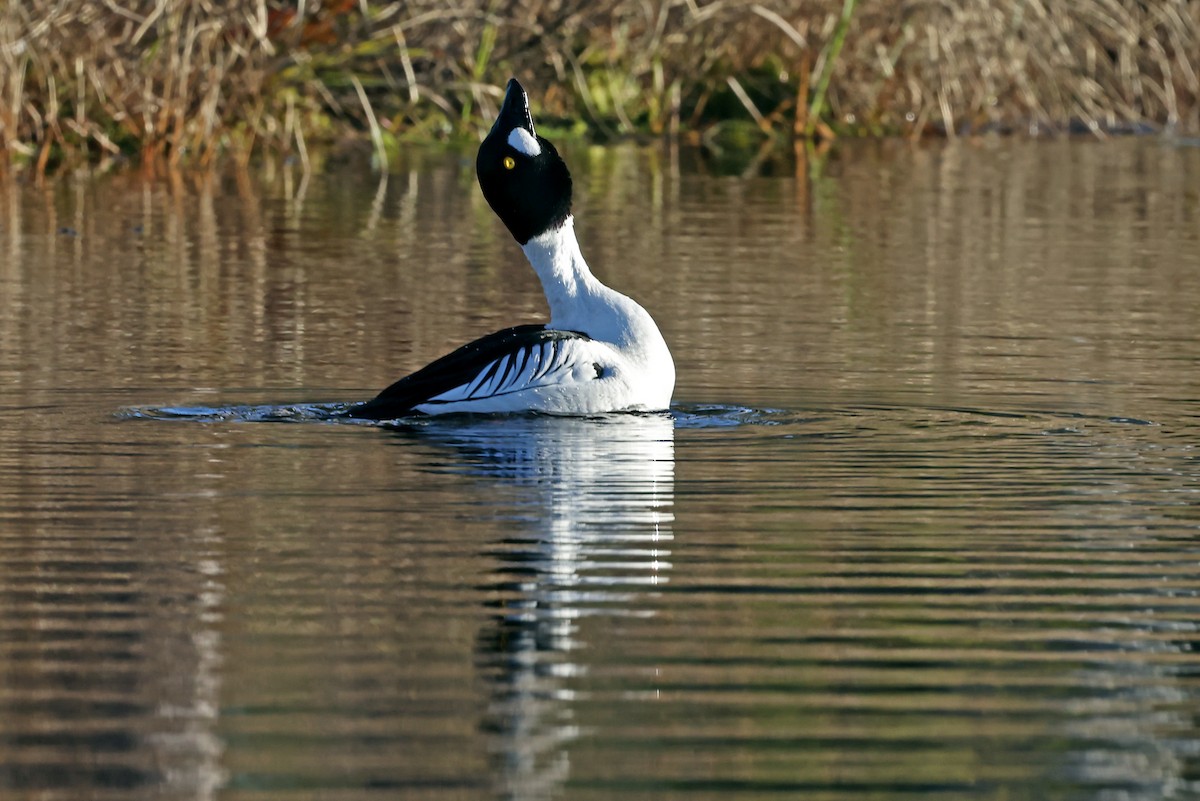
578	301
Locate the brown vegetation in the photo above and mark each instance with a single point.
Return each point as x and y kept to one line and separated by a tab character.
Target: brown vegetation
189	79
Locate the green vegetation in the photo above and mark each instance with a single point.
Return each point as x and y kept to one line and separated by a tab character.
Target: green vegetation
188	80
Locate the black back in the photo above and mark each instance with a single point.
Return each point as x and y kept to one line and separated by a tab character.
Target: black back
454	370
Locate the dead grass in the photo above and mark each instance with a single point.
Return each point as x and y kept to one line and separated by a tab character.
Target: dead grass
174	80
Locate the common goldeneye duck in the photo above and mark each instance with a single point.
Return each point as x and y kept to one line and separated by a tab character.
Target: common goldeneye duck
600	352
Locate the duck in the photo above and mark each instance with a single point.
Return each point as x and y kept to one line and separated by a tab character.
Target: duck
600	352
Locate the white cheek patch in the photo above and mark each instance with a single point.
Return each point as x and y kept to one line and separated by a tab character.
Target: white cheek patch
523	142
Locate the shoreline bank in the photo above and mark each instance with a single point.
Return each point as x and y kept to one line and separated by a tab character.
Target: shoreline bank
191	84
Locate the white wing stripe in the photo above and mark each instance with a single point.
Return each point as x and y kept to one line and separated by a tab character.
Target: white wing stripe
527	367
524	362
473	387
536	357
512	373
499	372
547	359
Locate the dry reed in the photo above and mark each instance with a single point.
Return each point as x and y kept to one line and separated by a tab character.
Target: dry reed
82	80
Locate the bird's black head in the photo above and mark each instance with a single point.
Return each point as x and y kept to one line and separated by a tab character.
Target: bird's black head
521	174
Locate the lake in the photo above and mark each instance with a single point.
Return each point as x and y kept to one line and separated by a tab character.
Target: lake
924	521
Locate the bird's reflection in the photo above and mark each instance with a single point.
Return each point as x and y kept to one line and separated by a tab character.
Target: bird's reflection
591	535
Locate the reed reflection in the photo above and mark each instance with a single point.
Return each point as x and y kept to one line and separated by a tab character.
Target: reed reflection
590	536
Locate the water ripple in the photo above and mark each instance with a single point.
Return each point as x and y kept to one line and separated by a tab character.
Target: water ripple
686	415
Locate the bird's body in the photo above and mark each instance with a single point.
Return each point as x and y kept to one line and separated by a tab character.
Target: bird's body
600	352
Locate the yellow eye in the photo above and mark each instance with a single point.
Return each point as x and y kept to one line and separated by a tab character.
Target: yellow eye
509	162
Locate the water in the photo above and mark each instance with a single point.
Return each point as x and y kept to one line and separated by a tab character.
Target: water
923	522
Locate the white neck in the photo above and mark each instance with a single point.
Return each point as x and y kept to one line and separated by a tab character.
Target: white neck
571	289
579	302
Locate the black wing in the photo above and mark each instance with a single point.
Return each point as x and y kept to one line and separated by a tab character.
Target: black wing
461	368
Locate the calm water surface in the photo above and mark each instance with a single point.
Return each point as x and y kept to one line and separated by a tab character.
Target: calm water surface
924	523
